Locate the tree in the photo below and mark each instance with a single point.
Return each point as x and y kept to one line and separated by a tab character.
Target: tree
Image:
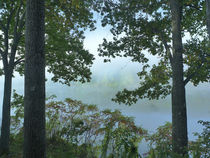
179	111
34	91
66	57
149	27
10	29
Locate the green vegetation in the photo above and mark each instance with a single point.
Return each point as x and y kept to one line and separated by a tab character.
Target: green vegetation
174	32
66	57
201	147
74	129
39	33
79	130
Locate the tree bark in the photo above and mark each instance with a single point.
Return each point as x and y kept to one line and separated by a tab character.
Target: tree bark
179	115
34	102
208	16
5	128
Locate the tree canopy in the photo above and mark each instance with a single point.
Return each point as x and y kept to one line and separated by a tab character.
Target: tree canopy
142	28
173	31
66	22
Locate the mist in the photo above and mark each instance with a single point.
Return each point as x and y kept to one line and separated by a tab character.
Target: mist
109	78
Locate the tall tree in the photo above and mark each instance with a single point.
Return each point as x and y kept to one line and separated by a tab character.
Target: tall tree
34	91
179	111
157	27
66	57
9	28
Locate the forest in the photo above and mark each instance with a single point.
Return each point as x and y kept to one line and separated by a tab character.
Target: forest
168	41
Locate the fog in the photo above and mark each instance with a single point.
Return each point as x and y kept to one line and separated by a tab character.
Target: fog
109	78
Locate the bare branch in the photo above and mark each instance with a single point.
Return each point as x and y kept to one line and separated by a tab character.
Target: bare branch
18	61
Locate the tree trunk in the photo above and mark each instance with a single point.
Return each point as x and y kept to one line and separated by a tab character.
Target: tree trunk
5	128
179	115
34	102
208	16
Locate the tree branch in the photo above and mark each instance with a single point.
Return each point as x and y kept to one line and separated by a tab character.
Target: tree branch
6	32
17	18
2	26
22	22
17	35
190	76
18	61
4	58
1	52
168	52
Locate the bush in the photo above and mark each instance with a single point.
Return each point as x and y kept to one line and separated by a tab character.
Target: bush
78	130
74	129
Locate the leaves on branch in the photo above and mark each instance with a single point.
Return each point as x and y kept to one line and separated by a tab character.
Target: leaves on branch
140	28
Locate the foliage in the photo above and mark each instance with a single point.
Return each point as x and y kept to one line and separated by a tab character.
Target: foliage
66	57
201	147
81	130
75	129
18	115
161	142
143	28
121	135
66	22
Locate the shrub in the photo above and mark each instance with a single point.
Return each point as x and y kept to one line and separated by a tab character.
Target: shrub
74	129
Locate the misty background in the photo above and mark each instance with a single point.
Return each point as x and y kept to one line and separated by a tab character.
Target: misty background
109	78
